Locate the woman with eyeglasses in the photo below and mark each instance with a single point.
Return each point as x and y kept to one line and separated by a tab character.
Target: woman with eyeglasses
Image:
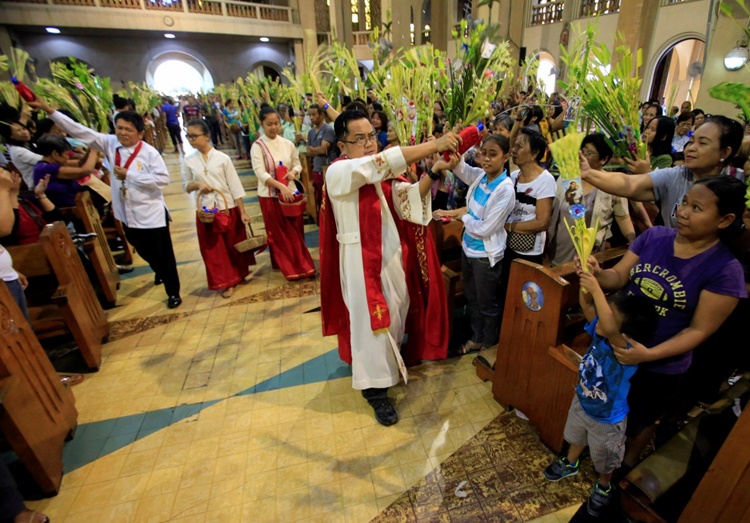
212	174
599	204
286	234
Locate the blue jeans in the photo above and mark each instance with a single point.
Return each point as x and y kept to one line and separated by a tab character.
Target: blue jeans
14	286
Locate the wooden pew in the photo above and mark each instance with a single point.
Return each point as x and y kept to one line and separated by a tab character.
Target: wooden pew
447	238
37	413
704	468
71	305
540	345
98	248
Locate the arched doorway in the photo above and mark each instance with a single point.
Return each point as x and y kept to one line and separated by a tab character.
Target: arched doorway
264	70
546	74
176	73
677	75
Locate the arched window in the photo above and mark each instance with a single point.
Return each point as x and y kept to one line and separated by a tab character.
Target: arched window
177	73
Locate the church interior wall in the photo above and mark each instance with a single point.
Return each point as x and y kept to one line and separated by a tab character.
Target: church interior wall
123	58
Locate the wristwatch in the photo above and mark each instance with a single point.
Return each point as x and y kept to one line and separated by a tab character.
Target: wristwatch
433	175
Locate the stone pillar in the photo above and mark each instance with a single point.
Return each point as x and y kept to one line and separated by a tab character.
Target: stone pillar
440	26
341	21
636	22
309	42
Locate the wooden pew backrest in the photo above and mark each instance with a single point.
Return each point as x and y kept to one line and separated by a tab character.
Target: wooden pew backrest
36	412
98	248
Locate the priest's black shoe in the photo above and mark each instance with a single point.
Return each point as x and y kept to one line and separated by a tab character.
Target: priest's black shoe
384	412
174	302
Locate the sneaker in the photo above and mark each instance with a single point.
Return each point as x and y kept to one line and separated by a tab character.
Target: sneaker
561	468
384	412
598	500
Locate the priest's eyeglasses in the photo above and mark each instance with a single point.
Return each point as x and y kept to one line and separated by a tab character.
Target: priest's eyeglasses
362	139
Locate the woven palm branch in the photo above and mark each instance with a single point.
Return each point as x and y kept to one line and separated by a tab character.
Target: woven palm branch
59	98
478	76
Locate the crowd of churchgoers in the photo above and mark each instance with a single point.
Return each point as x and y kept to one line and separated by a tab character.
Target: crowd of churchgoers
664	320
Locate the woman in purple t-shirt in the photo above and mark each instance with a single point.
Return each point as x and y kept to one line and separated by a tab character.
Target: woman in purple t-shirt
695	282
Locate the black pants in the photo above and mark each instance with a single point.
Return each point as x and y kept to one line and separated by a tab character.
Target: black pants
155	246
11	502
481	288
175	133
213	125
374	394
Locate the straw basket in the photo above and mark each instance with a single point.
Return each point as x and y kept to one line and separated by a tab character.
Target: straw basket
208	217
297	206
253	242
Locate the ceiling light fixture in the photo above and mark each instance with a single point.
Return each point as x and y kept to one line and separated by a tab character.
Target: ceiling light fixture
264	39
169	35
53	30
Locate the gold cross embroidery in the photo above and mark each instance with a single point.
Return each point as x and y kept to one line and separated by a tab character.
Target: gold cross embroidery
378	312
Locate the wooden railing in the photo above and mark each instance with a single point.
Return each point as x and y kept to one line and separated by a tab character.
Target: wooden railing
164	5
234	8
75	2
204	7
548	13
361	37
122	4
596	7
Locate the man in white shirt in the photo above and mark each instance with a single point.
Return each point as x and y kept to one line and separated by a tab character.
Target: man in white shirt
139	177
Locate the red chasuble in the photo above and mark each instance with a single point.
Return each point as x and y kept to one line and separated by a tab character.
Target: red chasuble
427	319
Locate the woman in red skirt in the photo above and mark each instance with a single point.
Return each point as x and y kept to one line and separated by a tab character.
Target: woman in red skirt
271	154
212	174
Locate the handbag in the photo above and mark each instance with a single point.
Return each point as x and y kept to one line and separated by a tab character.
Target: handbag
234	128
252	242
520	241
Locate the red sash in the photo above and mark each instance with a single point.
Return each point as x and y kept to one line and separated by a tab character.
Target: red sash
132	156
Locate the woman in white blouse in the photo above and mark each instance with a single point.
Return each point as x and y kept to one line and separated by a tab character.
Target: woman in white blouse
210	172
286	235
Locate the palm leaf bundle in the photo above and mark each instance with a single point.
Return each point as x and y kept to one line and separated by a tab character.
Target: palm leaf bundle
428	80
144	96
345	68
565	151
15	63
59	98
479	76
609	97
92	93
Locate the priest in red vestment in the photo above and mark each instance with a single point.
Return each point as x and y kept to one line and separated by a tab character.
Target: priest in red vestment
379	273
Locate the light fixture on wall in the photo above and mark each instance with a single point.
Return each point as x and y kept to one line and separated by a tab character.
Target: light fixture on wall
53	30
736	58
264	39
169	35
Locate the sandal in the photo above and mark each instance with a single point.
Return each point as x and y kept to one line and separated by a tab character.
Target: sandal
469	346
71	380
30	516
228	293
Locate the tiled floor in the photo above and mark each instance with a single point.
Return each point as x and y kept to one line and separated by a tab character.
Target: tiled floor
239	410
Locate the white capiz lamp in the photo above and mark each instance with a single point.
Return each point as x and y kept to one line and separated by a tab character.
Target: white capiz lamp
736	58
